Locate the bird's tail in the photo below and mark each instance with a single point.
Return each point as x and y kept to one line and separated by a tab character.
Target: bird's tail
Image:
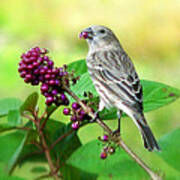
150	142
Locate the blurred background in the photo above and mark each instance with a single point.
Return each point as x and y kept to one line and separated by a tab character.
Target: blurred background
148	30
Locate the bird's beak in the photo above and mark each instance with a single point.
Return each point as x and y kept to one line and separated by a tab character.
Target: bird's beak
86	34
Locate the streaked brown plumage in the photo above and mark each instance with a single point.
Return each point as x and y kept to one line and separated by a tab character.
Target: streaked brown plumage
115	78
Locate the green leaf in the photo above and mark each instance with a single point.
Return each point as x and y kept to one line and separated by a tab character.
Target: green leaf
79	67
51	127
14	118
31	153
72	173
156	94
67	145
30	103
50	109
170	151
39	169
8	104
4	176
119	164
11	146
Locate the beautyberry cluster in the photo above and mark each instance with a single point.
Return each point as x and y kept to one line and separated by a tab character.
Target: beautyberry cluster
77	114
37	68
108	149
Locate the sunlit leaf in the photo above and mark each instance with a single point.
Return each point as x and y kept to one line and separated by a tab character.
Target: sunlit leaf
170	151
30	103
79	67
72	173
8	104
11	146
119	164
14	117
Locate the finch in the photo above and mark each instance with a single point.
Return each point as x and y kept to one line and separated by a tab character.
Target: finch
115	79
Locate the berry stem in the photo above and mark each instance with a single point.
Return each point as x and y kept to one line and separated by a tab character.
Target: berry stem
115	139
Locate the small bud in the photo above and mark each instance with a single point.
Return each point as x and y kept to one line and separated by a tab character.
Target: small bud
111	150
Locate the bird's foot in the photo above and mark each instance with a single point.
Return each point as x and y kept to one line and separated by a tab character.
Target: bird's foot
116	133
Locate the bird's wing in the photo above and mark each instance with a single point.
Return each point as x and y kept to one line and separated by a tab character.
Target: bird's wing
117	73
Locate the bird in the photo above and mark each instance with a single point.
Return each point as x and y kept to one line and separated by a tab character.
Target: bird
116	80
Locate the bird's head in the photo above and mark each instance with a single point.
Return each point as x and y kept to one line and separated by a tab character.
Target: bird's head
99	37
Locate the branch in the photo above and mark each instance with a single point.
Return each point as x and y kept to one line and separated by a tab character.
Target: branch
47	117
53	169
46	149
115	139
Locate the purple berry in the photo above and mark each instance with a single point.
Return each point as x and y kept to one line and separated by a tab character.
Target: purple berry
44	88
52	82
49	100
75	106
75	125
31	59
61	69
49	71
40	59
82	113
103	155
46	94
47	76
30	66
35	64
61	74
46	58
50	63
53	76
105	137
28	76
57	82
54	92
36	71
63	97
66	111
81	117
74	118
42	71
45	68
55	71
23	74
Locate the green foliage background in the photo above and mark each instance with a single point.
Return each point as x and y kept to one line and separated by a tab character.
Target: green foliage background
148	30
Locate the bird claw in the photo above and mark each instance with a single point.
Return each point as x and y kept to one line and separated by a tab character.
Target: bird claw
116	133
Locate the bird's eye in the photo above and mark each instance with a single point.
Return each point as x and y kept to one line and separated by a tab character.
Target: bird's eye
102	31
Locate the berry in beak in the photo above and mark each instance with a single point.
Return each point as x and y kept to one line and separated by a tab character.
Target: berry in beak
86	34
